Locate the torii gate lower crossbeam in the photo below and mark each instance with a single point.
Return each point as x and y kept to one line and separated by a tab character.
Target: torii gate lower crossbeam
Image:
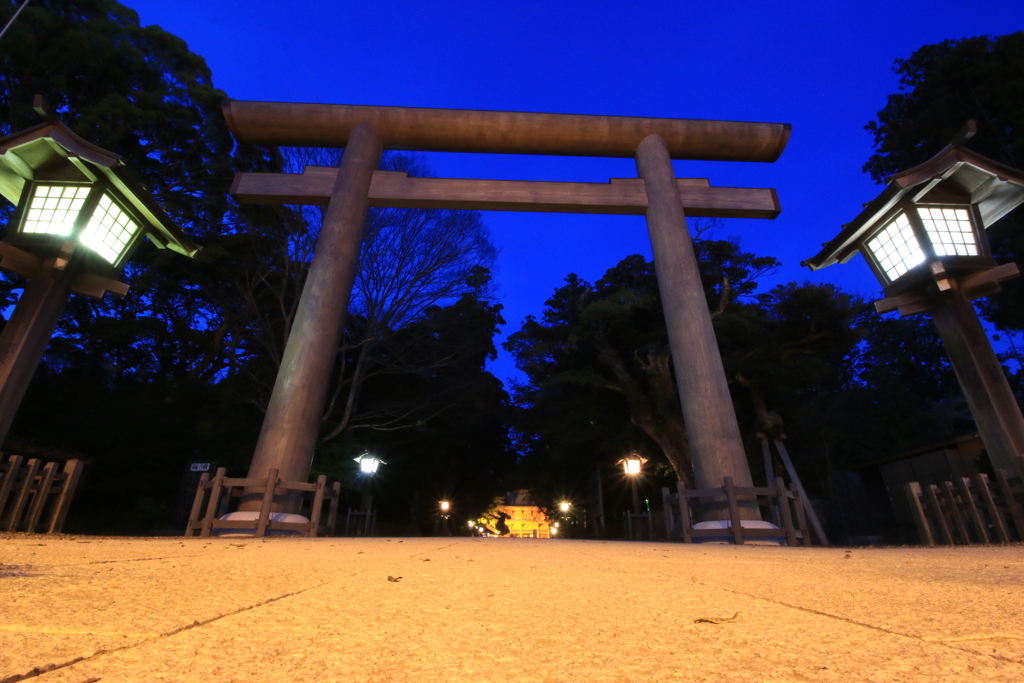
289	432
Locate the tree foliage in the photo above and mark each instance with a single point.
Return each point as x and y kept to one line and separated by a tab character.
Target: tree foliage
599	364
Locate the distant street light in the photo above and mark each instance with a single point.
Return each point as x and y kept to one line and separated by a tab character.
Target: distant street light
564	507
446	509
924	239
79	216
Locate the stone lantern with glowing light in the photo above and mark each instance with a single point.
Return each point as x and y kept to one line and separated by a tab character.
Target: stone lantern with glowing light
79	215
924	239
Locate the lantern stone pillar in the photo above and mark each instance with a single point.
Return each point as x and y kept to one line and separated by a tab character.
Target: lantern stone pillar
988	394
715	442
292	423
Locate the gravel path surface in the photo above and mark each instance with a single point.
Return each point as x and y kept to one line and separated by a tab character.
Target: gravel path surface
86	609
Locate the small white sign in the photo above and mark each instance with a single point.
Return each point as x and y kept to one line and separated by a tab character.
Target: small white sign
200	467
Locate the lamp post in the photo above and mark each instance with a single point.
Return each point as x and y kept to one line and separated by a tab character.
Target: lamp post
924	239
564	515
446	512
368	465
79	217
632	465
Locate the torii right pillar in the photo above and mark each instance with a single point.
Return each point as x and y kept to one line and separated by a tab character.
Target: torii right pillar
716	446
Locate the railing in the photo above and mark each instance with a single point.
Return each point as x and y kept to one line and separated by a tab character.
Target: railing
214	495
968	510
780	500
35	496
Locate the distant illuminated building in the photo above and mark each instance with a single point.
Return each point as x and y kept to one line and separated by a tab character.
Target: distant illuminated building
525	519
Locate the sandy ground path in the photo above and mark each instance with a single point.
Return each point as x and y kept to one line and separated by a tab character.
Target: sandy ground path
86	609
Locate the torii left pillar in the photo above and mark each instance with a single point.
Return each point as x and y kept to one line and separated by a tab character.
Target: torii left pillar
290	428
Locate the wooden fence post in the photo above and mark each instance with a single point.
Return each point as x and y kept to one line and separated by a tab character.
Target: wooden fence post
268	500
782	496
332	514
211	505
801	518
318	502
72	473
940	517
195	523
734	512
1011	503
981	484
963	484
35	512
21	499
924	532
954	509
7	485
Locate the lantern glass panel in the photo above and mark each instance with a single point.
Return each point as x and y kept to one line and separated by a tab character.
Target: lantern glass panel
53	209
896	248
109	231
950	231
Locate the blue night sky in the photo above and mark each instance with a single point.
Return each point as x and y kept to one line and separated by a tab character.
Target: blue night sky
824	67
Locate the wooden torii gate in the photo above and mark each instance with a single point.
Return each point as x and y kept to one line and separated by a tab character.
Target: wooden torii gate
288	437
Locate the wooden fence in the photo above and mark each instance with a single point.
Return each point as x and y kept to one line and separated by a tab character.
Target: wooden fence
215	495
35	496
968	510
781	504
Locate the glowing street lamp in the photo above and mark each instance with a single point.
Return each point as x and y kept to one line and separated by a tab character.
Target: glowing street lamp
368	463
924	239
564	506
632	465
79	215
445	510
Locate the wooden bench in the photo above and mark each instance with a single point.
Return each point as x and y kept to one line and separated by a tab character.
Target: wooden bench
780	500
35	496
215	495
968	510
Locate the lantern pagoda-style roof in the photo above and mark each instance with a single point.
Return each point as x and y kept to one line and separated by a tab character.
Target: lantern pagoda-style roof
61	170
934	212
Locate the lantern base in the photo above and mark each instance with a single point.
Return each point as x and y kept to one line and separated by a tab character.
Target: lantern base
253	516
726	537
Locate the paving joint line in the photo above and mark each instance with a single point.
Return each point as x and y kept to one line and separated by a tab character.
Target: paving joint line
39	671
432	550
848	620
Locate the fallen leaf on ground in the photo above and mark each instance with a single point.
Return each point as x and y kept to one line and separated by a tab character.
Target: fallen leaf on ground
394	579
716	620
